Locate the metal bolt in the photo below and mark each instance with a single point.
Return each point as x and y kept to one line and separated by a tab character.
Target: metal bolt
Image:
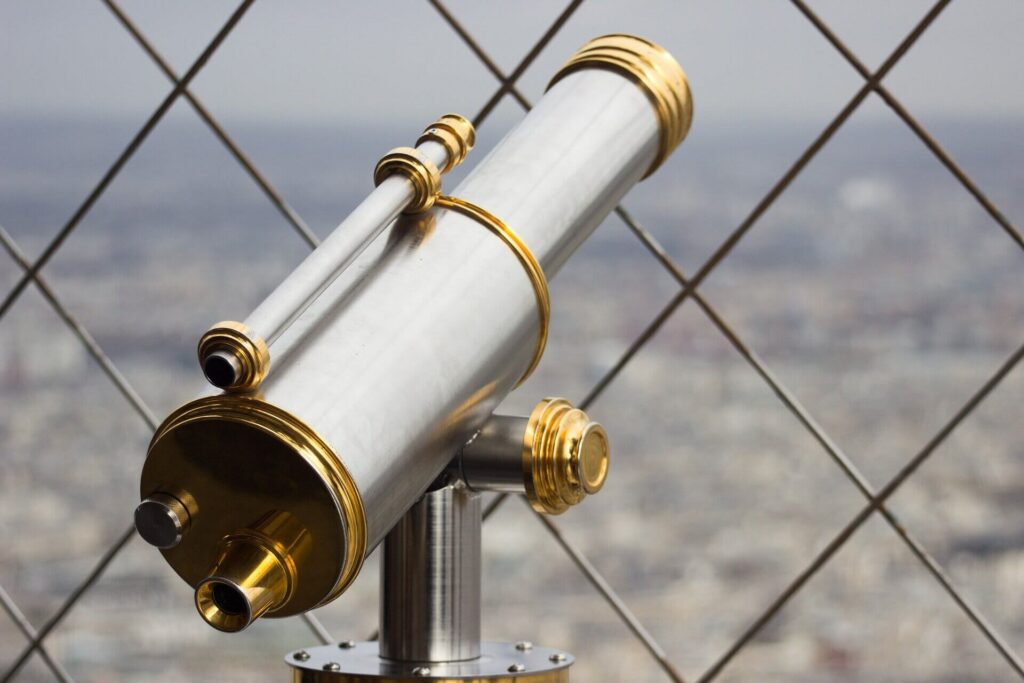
161	520
347	644
301	656
332	666
516	668
421	671
524	645
557	658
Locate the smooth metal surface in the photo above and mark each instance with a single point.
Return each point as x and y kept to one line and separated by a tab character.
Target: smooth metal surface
375	365
430	580
493	460
343	246
362	663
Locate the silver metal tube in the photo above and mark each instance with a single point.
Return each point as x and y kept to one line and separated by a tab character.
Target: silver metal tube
366	222
430	580
408	352
493	461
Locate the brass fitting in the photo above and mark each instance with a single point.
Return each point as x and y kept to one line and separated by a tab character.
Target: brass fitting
258	485
457	135
556	457
565	456
255	573
233	357
654	70
421	171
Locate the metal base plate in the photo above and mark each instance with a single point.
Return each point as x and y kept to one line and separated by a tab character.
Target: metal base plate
498	663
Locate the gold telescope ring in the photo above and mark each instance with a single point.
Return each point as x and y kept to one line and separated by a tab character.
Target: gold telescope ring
421	172
525	256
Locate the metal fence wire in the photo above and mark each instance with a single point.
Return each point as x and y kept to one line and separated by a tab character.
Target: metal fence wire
875	497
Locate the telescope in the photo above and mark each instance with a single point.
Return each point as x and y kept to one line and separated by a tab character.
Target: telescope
355	406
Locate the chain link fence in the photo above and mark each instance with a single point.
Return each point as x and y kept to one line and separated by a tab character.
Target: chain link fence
876	496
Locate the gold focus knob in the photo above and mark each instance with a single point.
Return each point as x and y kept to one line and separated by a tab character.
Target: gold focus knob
565	456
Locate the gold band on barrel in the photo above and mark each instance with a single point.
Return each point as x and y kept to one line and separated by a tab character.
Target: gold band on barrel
525	256
654	70
421	172
457	135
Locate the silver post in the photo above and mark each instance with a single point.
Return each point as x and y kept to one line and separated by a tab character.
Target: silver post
430	580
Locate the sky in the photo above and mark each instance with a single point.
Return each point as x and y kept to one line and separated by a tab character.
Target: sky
315	61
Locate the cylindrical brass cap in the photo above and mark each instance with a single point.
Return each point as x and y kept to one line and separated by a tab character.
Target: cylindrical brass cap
233	357
565	456
456	133
654	70
421	172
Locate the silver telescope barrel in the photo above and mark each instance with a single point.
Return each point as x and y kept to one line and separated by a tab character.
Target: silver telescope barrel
279	493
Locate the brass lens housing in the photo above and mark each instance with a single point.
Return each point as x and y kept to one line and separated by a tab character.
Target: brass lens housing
267	488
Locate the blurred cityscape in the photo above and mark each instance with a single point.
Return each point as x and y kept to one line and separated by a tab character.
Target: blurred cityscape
875	289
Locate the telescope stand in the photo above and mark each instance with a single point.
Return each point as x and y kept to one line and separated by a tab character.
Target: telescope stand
430	610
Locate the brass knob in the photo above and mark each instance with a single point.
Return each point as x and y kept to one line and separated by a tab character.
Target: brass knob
565	456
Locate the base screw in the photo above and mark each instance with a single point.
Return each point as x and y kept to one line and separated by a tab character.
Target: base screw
557	657
516	668
347	644
524	645
332	666
301	656
421	671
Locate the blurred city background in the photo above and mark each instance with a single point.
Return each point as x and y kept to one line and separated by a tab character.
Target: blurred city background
875	288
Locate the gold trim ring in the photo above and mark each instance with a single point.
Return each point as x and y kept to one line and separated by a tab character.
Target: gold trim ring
525	256
420	170
456	133
244	345
654	70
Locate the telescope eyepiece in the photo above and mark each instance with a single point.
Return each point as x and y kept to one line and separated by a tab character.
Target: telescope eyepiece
222	369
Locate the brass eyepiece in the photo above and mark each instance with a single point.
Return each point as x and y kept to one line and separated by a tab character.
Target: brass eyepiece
255	573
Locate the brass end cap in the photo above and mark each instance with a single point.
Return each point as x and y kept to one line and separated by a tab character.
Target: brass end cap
565	456
233	357
456	133
420	170
655	70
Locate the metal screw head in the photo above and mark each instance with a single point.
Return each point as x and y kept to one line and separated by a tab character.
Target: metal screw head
332	666
524	645
421	671
347	644
516	668
301	656
557	658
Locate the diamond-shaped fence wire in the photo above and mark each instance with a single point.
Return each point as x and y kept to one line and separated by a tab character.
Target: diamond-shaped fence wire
875	497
